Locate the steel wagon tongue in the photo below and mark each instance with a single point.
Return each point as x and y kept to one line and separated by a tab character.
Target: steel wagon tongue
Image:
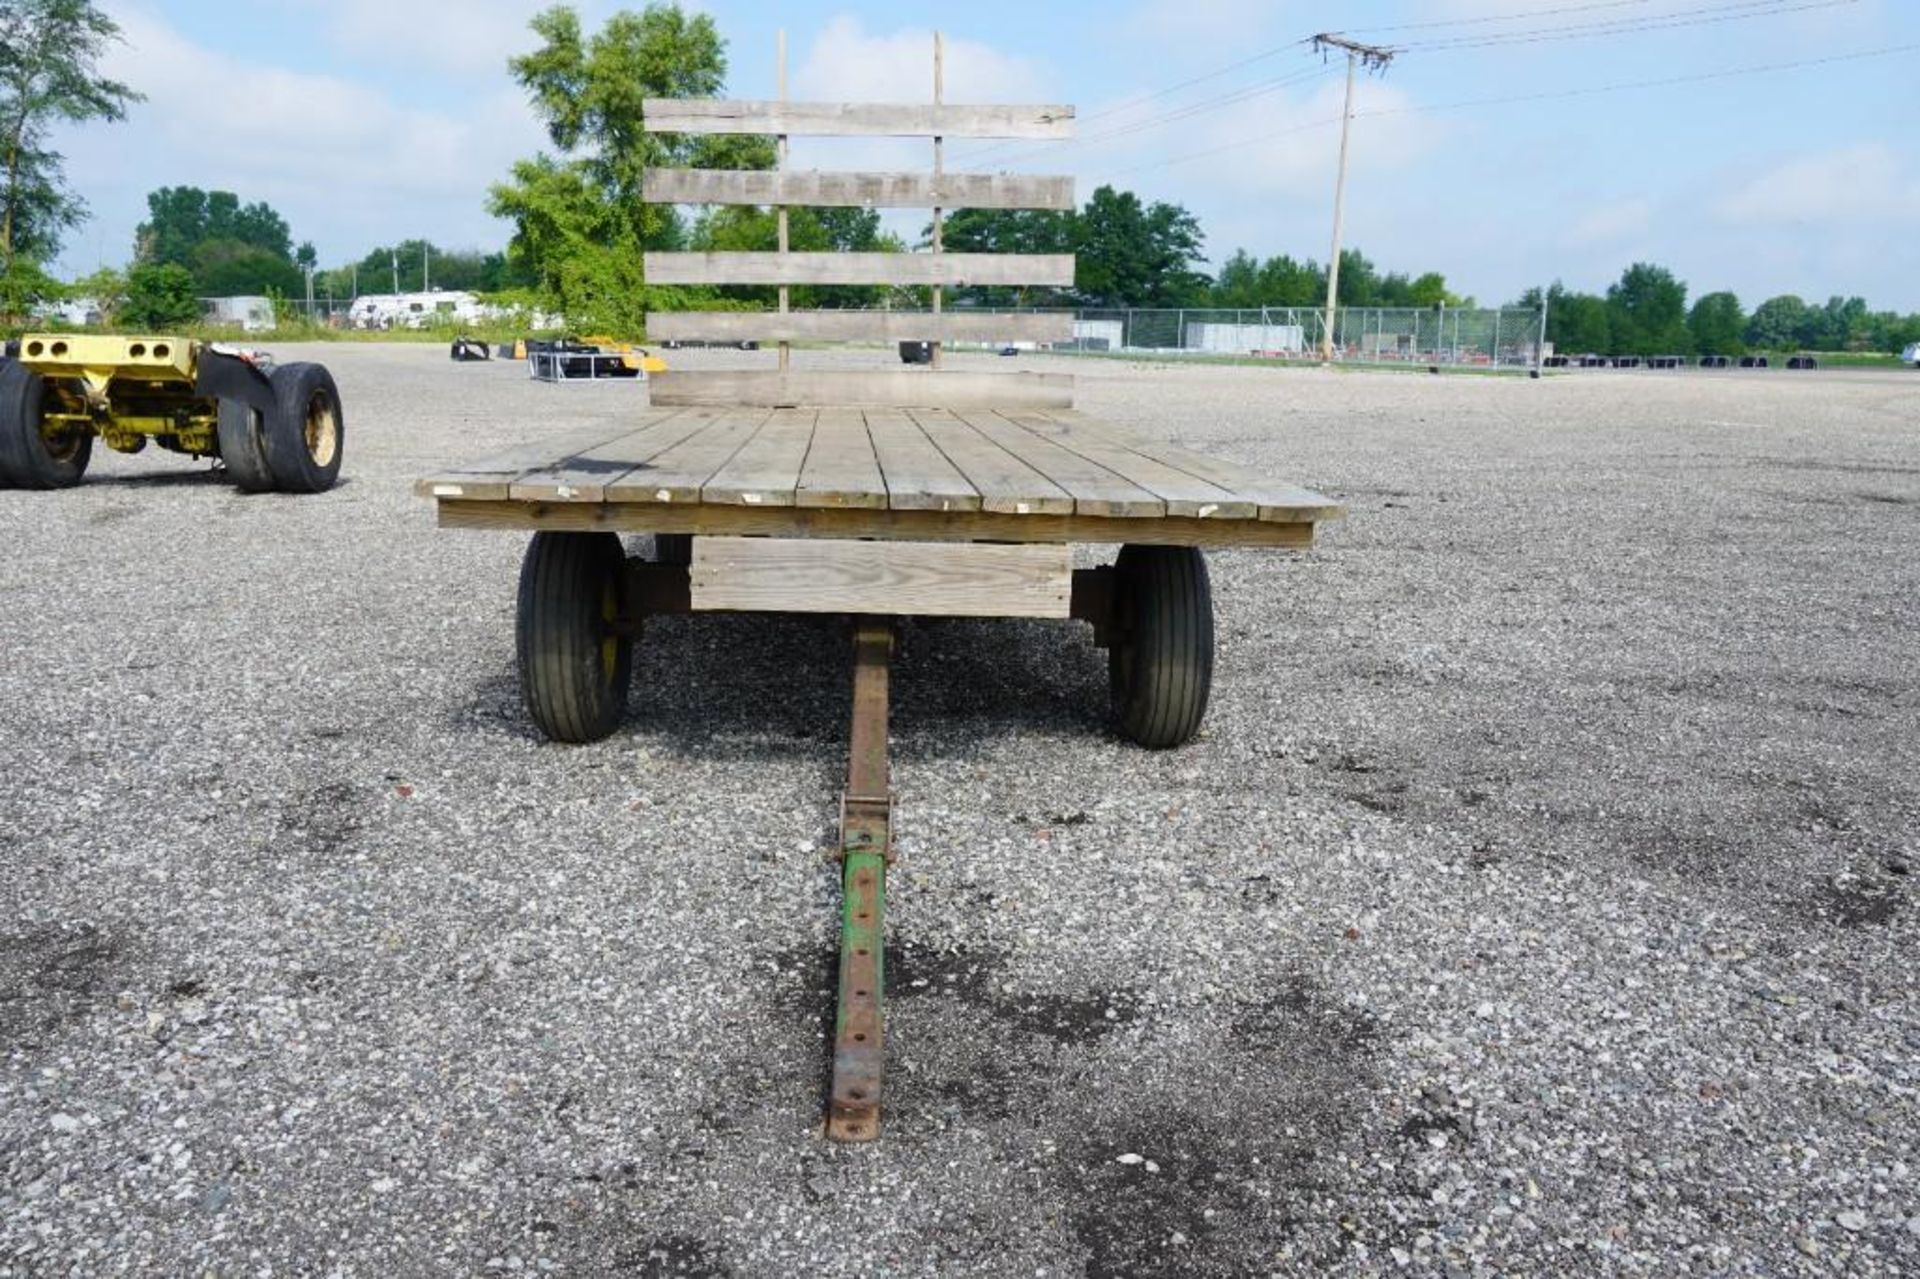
874	493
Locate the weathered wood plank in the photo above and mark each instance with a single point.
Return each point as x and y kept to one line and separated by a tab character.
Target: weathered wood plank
858	326
1184	494
918	475
1095	490
859	190
710	519
491	478
863	388
840	469
1278	502
955	269
856	119
914	579
679	473
767	470
1004	482
585	475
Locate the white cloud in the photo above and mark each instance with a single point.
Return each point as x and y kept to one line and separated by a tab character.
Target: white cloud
343	161
1868	182
1607	224
846	63
474	36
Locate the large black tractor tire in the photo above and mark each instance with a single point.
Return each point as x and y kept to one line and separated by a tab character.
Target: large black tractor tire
28	459
307	430
574	665
243	447
1160	662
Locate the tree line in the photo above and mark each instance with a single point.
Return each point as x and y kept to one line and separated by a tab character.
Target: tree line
580	228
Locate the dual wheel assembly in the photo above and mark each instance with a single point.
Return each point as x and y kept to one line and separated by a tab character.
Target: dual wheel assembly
293	446
579	612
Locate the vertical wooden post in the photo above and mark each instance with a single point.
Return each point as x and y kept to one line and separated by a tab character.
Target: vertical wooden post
786	348
939	152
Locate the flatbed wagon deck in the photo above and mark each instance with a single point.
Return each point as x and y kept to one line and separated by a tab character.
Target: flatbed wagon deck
1044	476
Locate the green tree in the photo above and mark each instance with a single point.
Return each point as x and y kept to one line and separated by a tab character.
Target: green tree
1777	323
160	297
748	228
1717	324
1007	231
106	289
579	223
1647	311
1130	254
1577	323
49	57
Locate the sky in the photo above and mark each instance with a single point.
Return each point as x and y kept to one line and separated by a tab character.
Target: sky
1497	148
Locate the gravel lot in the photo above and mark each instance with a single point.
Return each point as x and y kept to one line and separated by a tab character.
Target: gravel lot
1539	896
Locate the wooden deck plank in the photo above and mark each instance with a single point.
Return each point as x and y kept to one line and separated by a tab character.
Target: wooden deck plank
766	471
680	473
918	475
859	326
841	469
954	269
720	520
1184	494
1004	482
1095	489
491	478
585	475
856	119
859	190
1277	502
863	388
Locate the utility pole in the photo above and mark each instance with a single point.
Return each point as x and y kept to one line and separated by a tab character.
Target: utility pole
393	259
1376	58
426	267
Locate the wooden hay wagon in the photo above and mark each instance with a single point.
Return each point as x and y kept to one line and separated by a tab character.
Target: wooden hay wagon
871	492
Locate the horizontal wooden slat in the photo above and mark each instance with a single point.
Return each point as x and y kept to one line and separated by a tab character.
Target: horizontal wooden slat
856	119
875	190
859	268
858	326
713	520
912	579
863	388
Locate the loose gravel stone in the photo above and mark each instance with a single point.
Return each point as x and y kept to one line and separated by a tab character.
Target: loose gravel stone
1534	900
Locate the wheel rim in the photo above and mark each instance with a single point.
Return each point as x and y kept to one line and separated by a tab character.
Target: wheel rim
63	445
322	429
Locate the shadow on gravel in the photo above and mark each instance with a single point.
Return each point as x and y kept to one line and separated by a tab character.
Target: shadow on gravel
754	686
50	976
1196	1152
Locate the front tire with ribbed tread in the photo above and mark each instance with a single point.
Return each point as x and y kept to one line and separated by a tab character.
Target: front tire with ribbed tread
28	459
574	665
306	433
1160	663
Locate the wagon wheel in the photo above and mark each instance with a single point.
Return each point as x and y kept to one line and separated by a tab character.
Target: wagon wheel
306	431
1160	663
575	663
30	457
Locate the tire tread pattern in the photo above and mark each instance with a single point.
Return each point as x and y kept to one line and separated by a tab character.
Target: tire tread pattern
559	631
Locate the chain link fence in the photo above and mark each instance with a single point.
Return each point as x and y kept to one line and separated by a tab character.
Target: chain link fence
1460	337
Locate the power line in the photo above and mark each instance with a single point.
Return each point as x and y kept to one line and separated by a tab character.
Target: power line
1181	113
1709	16
1505	17
1464	104
1142	99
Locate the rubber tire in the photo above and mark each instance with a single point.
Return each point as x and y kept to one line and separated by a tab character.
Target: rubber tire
295	468
562	637
243	448
1160	665
25	461
673	548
